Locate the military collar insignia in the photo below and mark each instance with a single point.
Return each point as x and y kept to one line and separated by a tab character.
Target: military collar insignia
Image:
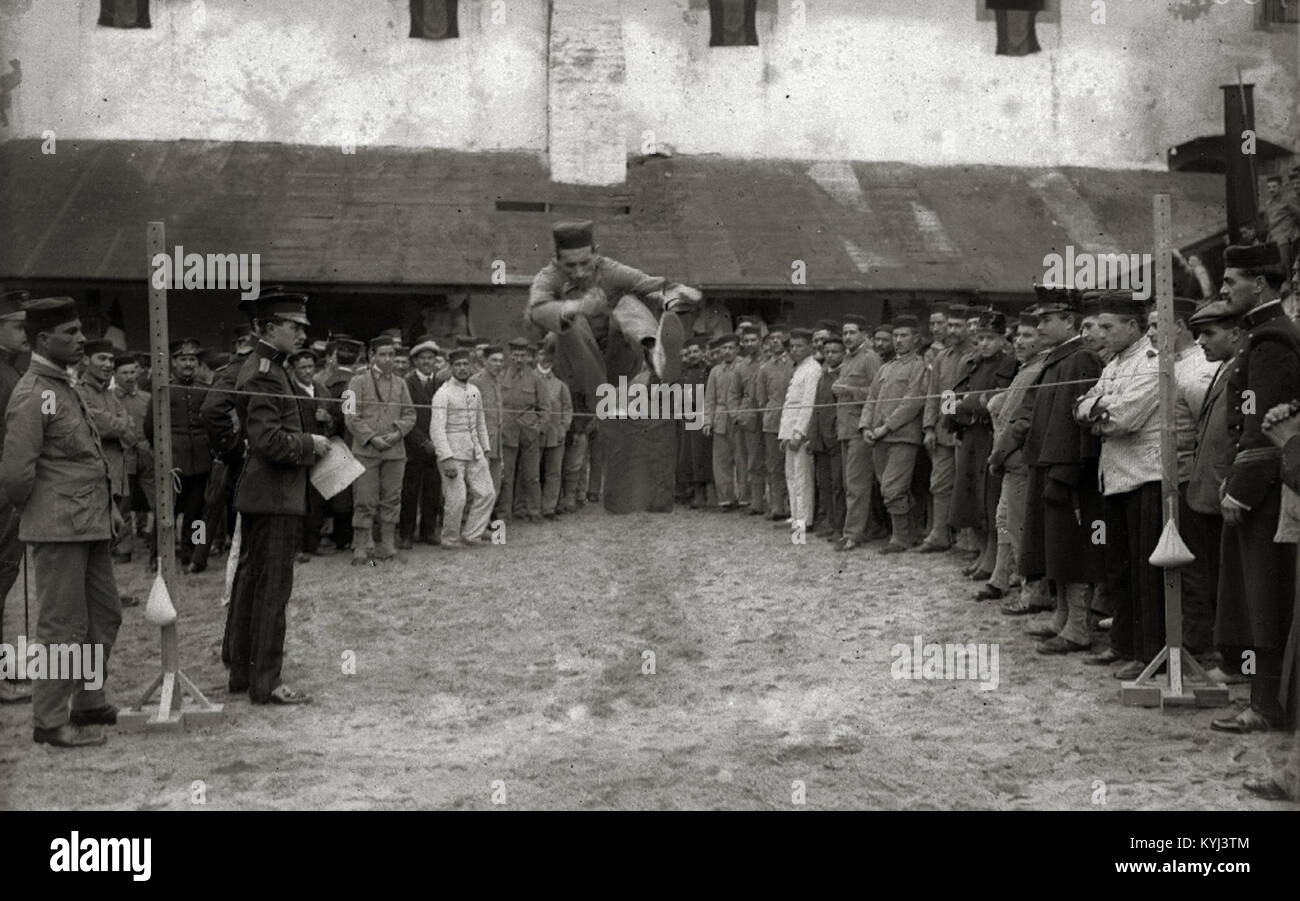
1263	313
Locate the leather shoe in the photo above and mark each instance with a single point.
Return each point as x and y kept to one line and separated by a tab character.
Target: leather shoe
1059	645
1013	608
1129	671
893	548
1048	632
848	544
1246	721
1266	788
68	736
928	548
96	716
1105	658
981	575
989	593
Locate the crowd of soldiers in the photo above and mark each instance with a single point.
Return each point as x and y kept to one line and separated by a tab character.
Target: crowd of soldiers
1031	447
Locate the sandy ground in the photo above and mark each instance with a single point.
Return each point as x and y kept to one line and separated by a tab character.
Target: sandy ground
514	674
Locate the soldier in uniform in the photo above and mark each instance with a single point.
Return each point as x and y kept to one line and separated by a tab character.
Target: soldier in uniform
891	427
54	473
421	484
379	419
191	450
138	458
747	422
1062	500
717	421
13	344
459	431
271	498
602	313
1257	573
975	490
559	416
116	430
521	399
856	376
695	455
774	375
939	441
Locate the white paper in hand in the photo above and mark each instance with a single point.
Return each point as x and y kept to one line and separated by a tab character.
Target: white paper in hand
336	470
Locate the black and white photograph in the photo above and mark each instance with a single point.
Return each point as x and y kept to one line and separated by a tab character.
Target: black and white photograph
651	405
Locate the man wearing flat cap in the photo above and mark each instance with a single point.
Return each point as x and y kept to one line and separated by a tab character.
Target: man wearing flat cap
605	314
191	451
271	499
54	473
421	483
1257	573
459	432
13	346
850	389
1062	500
1221	333
379	418
117	431
523	400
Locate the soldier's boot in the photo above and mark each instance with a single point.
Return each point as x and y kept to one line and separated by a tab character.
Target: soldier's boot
385	549
938	539
199	561
902	537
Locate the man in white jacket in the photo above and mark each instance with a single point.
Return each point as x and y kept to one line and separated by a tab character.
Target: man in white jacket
796	421
459	433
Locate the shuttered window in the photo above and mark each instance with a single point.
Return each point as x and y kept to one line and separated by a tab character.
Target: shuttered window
434	20
732	23
124	13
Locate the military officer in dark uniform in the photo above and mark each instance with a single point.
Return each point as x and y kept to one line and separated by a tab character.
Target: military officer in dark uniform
13	344
271	498
1256	574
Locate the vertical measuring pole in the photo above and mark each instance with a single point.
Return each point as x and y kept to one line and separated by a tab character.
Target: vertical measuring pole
1163	222
165	515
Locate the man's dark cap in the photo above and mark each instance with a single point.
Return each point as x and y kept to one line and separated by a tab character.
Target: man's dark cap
401	350
572	235
457	355
305	352
11	304
696	341
183	346
884	327
906	320
1091	303
782	327
123	359
992	321
855	319
282	305
382	341
46	313
803	333
1252	257
1122	303
466	341
518	343
249	304
940	306
715	343
491	349
959	311
1057	300
727	339
99	346
828	325
1028	318
1216	312
748	329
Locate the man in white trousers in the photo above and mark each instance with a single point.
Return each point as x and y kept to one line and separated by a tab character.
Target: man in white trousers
796	421
459	433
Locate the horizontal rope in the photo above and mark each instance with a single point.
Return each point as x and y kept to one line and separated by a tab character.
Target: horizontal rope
665	389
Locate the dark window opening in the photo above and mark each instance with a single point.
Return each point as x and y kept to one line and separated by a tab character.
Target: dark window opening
1015	26
733	23
1281	12
124	13
434	20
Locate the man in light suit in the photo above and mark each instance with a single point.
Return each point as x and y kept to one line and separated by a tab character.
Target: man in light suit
459	432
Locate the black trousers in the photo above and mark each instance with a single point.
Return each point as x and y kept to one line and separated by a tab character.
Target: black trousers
1201	532
421	497
253	646
11	556
190	504
1133	524
315	518
831	503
